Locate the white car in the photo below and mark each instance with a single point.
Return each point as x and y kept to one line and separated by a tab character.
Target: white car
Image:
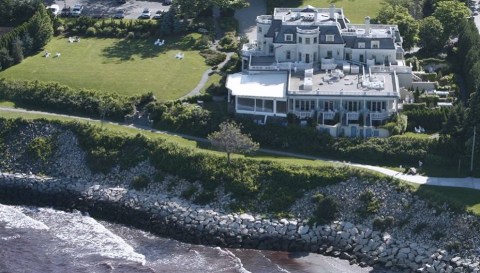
54	9
77	10
146	14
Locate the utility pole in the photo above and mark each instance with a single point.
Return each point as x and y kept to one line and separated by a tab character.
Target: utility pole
473	150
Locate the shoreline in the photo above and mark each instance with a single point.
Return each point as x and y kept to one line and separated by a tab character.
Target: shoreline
176	219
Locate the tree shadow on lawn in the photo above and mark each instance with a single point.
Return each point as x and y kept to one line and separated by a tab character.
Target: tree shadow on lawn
125	49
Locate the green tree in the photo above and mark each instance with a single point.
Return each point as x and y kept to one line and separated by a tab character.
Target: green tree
452	15
431	35
5	59
17	51
230	139
400	16
40	28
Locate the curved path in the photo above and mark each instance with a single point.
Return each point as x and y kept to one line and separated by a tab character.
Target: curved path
204	79
467	182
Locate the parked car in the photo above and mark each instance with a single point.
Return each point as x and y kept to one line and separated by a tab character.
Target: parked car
158	15
54	9
77	10
146	14
119	14
66	11
167	2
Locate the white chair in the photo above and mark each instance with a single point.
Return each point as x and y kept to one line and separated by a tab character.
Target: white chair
47	54
70	40
57	55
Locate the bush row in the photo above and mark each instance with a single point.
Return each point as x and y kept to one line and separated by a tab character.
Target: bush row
63	99
247	179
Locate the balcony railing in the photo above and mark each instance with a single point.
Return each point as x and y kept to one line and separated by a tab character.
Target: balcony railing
353	115
329	115
264	19
304	114
308	31
379	115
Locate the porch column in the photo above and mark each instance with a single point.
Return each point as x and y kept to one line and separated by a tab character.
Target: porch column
236	103
274	107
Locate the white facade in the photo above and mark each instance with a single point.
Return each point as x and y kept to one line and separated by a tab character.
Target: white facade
344	76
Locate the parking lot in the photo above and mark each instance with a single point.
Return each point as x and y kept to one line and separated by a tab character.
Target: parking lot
107	8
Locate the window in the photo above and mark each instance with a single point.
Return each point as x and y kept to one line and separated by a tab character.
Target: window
288	54
315	40
375	44
245	104
376	106
329	54
260	29
328	105
307	41
314	56
288	37
282	107
329	38
304	105
299	40
299	56
352	106
361	45
290	104
271	49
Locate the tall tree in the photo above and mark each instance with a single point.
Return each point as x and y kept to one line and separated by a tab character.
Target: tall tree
452	14
400	16
17	51
431	34
230	139
40	28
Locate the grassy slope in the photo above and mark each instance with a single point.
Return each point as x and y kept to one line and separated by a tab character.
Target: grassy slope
468	198
117	65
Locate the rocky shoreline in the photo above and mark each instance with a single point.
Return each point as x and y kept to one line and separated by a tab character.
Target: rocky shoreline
176	218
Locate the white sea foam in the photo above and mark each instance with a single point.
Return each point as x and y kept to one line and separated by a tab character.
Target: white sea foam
13	218
235	259
82	236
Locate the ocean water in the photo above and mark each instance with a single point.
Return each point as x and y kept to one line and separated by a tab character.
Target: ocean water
38	240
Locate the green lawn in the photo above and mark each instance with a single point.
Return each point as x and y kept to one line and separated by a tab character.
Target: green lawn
117	65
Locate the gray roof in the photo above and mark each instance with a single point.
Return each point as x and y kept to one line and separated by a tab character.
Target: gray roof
352	42
281	30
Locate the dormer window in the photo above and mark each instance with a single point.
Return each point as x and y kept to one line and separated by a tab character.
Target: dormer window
307	41
375	44
361	45
288	37
329	38
259	29
299	40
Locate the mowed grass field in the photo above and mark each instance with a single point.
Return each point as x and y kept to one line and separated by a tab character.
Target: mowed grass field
127	67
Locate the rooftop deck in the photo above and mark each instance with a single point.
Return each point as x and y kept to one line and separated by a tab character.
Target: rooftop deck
323	83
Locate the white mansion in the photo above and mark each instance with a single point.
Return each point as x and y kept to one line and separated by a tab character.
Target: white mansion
312	62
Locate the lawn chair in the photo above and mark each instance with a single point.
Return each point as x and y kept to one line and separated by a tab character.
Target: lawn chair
47	54
71	40
57	55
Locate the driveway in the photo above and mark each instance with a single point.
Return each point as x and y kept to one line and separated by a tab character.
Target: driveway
132	8
247	18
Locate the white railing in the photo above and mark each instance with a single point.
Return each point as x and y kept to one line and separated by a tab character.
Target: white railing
304	114
398	69
282	66
307	31
329	115
264	19
353	115
252	52
379	115
375	93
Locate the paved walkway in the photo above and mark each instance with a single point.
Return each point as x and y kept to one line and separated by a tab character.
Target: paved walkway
467	182
204	79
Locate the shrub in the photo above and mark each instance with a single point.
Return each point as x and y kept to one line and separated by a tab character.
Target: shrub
383	223
91	31
189	192
101	160
205	198
140	182
370	204
327	209
213	57
41	148
228	42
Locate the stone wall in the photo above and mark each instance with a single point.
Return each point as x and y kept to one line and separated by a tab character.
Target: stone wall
179	219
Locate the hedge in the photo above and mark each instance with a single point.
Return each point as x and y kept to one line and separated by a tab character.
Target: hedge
63	99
